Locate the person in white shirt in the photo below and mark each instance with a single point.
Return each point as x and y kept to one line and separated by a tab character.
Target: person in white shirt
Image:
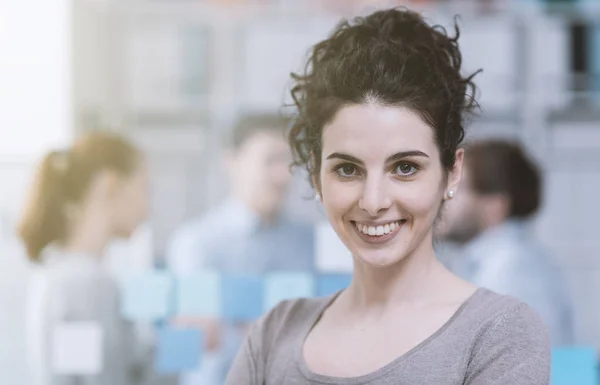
249	232
500	192
80	200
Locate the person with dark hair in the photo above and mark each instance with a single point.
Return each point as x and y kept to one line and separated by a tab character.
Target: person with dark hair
501	191
81	199
380	113
249	233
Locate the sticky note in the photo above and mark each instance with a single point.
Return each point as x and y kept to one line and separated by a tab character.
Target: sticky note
147	296
242	297
281	286
328	284
331	255
178	350
77	348
574	365
199	294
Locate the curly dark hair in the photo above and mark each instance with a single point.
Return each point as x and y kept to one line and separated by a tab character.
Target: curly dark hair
391	57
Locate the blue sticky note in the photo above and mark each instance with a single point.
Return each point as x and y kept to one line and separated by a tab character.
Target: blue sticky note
242	297
574	365
178	350
199	295
147	296
282	286
329	284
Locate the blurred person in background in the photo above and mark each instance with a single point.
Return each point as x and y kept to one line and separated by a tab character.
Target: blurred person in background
80	200
499	193
248	233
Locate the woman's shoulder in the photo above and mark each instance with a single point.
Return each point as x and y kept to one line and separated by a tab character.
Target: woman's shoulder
498	317
295	312
287	321
487	305
508	340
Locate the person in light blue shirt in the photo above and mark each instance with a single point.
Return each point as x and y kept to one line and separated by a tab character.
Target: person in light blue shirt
499	193
248	233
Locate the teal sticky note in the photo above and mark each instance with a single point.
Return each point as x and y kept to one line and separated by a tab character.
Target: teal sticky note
199	295
282	285
242	297
178	350
574	365
147	296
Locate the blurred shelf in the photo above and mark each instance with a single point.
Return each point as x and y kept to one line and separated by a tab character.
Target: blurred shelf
155	118
507	116
582	10
248	10
573	160
586	110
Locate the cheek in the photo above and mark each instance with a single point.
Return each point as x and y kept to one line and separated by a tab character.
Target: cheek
257	178
142	204
135	205
421	200
142	208
338	197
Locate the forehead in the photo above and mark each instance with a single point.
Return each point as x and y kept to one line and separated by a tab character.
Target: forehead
375	131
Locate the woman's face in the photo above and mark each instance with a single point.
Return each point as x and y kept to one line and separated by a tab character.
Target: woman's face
382	182
130	202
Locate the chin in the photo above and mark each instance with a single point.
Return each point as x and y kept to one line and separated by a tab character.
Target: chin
380	259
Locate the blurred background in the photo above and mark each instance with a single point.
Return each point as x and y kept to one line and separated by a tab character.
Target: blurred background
175	75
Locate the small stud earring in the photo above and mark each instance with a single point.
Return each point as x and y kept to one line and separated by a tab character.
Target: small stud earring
450	194
318	197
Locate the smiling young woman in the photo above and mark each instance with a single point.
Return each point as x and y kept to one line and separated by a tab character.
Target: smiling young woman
380	119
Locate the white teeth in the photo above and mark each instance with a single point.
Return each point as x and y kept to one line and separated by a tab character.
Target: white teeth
377	230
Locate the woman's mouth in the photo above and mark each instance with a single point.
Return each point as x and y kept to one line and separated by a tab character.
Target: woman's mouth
378	233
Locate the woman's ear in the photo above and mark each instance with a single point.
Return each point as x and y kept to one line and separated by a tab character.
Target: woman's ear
317	188
455	174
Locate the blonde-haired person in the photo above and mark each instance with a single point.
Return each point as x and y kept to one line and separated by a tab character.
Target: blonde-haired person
81	199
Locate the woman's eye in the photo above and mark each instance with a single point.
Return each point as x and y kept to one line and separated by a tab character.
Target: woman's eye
346	170
405	169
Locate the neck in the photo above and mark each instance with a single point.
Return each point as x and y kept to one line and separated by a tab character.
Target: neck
88	234
413	280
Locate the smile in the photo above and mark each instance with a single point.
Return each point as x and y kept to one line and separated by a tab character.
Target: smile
380	233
